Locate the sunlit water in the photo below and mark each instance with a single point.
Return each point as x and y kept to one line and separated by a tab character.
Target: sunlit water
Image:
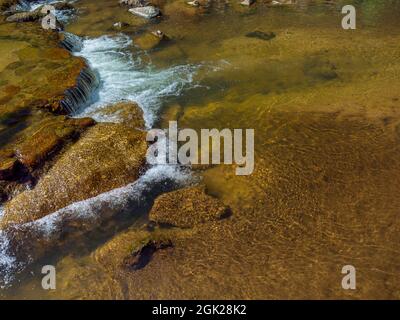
324	105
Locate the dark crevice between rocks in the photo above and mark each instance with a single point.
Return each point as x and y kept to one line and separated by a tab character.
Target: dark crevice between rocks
140	258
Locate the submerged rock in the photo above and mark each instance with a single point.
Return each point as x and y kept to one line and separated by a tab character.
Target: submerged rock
147	12
141	257
134	248
107	156
261	35
187	207
151	40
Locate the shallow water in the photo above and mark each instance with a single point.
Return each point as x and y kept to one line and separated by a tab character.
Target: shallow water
324	105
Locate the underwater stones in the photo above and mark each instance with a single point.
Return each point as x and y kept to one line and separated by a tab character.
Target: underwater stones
126	112
107	156
134	248
319	68
147	12
150	40
187	207
261	35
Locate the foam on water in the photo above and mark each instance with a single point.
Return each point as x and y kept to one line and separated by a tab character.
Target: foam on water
7	261
124	77
88	213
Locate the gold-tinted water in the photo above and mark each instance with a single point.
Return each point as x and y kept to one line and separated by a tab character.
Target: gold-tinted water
324	105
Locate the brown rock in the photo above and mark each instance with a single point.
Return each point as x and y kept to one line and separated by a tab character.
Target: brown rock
48	136
107	156
187	207
26	16
133	249
7	164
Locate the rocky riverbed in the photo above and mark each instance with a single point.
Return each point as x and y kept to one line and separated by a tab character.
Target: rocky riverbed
76	191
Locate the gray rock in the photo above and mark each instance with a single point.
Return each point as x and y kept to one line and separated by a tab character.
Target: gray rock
134	3
147	12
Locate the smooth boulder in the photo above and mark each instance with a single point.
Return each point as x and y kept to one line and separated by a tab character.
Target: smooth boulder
107	156
147	12
187	208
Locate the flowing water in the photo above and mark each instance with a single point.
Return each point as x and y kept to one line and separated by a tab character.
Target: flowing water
324	103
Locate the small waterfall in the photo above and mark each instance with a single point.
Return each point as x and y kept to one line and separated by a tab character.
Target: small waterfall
71	42
87	80
77	96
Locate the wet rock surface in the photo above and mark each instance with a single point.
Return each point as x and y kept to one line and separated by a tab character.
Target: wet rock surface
106	156
147	12
261	35
187	207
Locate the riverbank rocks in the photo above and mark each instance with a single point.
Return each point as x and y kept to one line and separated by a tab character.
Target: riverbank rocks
187	207
147	12
107	156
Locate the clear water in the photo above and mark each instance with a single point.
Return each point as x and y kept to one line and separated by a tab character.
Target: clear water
324	105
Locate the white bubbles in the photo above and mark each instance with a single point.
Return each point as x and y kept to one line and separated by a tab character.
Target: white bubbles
124	77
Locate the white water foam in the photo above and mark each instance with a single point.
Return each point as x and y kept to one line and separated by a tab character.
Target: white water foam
87	214
7	261
123	77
